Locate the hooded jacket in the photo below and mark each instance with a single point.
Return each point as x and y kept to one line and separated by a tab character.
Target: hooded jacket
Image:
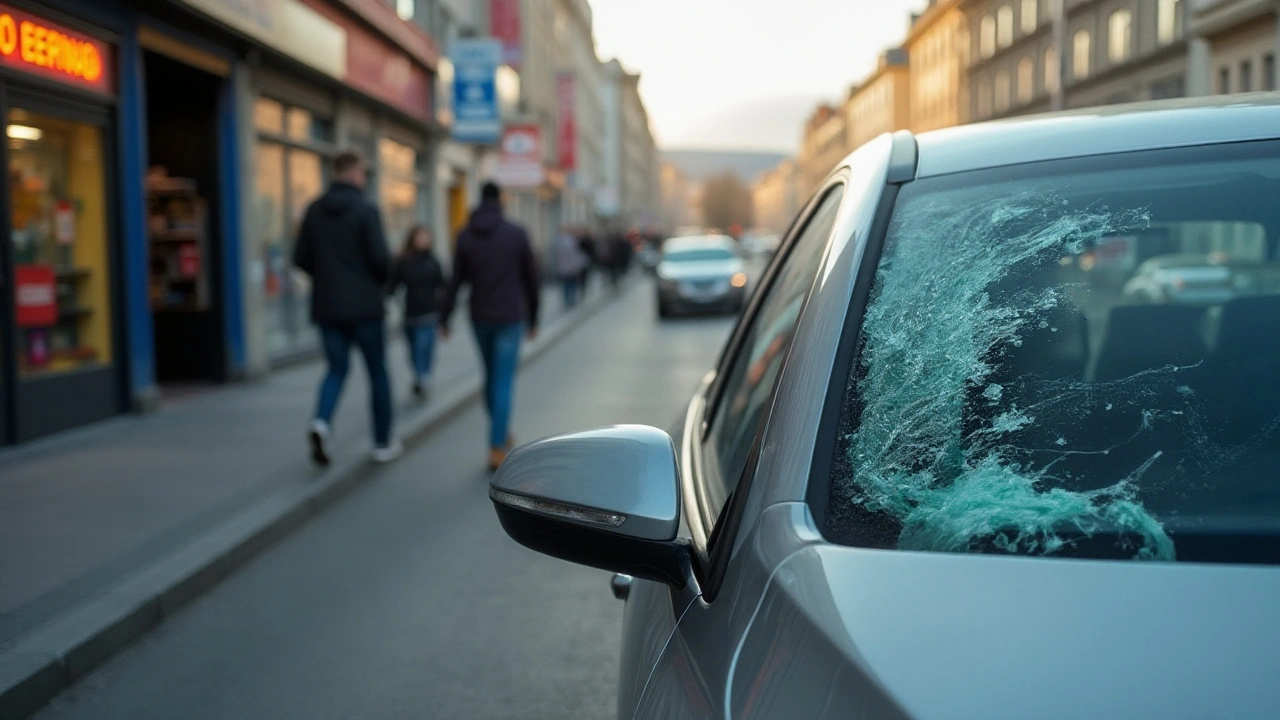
494	257
342	247
423	281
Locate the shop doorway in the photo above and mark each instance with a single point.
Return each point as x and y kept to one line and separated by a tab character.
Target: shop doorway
183	222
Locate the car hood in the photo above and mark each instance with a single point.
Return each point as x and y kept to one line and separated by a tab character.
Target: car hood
699	269
967	636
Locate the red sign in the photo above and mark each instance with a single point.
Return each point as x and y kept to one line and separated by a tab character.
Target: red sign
504	24
189	260
384	72
35	45
520	157
566	121
35	295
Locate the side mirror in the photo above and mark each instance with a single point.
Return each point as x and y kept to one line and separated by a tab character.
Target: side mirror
607	498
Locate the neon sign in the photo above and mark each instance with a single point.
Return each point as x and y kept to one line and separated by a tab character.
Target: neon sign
37	46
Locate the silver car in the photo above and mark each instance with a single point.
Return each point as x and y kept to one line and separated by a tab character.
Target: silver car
945	468
702	273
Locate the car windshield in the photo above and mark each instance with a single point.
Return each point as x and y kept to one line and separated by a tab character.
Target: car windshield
695	254
1044	369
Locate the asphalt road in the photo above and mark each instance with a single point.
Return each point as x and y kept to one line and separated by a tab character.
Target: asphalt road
406	600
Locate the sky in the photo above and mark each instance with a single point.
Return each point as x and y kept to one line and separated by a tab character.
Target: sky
744	74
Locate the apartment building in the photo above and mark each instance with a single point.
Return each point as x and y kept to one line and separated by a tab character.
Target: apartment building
937	54
1238	41
879	104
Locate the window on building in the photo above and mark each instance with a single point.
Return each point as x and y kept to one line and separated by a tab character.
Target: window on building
1052	70
1170	87
1119	31
1080	47
1004	26
1246	76
1269	72
987	37
1224	80
1026	79
1167	12
1002	91
962	40
58	230
1029	19
290	170
984	98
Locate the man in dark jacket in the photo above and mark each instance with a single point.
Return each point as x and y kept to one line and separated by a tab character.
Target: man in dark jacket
342	247
494	257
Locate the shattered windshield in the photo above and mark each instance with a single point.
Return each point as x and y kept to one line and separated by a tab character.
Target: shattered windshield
1079	359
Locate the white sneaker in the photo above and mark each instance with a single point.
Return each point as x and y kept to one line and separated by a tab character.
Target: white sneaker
389	452
319	437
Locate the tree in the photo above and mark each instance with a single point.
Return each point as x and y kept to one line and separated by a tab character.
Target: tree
726	201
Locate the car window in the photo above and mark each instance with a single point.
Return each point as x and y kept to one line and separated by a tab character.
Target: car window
752	372
698	254
1079	360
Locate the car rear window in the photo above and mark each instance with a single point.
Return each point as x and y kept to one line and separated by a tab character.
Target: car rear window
1078	358
697	254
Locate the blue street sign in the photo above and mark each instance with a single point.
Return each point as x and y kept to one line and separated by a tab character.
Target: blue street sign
476	118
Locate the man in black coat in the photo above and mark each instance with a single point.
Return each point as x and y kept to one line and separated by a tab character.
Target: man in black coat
495	258
342	247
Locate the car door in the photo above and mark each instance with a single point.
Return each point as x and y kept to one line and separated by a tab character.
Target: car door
719	445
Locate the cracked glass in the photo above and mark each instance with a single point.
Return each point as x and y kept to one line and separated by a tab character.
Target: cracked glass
1079	358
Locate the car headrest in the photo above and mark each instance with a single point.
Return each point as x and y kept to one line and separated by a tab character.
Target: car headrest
1249	331
1145	337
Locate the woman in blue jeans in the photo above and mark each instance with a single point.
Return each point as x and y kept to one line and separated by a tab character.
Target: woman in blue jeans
418	271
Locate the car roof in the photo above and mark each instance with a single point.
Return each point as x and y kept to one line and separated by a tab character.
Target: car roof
698	241
1099	131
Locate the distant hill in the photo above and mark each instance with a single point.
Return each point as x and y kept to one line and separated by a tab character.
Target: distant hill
699	165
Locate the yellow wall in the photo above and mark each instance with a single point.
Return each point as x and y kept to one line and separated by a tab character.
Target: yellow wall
88	196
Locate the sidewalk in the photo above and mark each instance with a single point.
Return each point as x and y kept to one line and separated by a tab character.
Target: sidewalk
82	511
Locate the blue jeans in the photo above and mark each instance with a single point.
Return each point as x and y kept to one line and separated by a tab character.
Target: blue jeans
421	341
500	351
570	287
371	338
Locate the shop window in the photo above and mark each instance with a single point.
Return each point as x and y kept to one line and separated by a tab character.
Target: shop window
268	116
291	170
58	227
400	177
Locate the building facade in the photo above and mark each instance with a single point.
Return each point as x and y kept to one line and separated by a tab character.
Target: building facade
1238	42
937	46
1029	56
774	196
881	103
678	207
825	143
631	195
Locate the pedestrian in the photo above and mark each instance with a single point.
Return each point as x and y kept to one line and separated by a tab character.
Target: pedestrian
342	247
494	257
587	244
418	271
569	262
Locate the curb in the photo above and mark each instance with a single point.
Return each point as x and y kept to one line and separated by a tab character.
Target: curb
36	666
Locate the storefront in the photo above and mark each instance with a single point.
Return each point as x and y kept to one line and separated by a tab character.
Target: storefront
371	97
60	321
